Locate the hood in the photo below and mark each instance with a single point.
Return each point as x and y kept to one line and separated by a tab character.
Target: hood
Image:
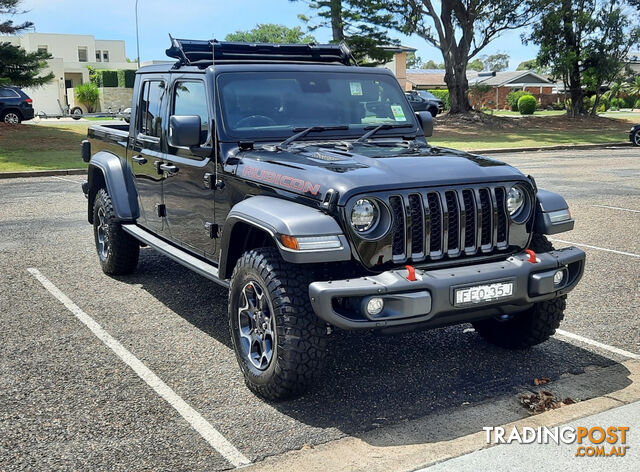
312	169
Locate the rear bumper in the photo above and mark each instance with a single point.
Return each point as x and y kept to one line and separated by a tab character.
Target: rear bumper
429	301
27	113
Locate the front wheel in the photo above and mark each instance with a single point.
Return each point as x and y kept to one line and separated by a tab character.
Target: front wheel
636	138
531	327
278	340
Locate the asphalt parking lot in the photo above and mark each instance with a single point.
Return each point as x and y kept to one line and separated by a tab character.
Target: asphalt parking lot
67	401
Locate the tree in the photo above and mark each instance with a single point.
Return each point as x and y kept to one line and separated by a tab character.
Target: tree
583	43
18	67
10	8
461	29
496	62
532	64
414	61
361	24
431	64
476	65
271	33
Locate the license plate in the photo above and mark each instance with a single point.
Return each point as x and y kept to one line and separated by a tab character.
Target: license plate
483	293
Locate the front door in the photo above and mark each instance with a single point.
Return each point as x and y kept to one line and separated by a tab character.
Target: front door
146	155
188	199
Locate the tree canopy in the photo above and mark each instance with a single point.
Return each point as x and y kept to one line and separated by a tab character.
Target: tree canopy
271	33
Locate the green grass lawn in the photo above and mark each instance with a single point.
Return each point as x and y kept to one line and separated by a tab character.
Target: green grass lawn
500	139
535	115
41	147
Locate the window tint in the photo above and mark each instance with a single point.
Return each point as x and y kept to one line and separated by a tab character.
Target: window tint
150	121
8	93
190	99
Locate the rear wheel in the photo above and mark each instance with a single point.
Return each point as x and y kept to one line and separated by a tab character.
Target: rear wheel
636	137
11	117
531	327
118	251
278	340
76	113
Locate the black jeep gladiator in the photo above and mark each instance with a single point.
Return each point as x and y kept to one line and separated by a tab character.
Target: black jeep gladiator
305	185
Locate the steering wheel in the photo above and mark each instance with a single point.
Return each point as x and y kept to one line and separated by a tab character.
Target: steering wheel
255	120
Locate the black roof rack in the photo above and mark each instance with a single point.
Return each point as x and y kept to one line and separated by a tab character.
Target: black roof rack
203	53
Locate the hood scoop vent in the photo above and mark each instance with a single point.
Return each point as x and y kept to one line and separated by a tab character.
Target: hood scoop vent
324	155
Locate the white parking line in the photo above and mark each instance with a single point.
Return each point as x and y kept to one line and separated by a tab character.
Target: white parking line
616	208
195	419
592	342
595	247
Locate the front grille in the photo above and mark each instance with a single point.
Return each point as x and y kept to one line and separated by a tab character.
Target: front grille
434	224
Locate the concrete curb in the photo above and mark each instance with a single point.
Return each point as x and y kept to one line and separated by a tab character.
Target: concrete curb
415	444
560	147
42	173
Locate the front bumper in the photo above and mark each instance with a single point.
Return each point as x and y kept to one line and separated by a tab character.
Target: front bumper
429	300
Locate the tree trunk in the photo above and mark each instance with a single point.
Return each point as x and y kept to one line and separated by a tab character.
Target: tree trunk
575	80
337	27
456	80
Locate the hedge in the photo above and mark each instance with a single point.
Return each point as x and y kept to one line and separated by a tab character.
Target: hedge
527	104
126	78
513	97
113	78
442	95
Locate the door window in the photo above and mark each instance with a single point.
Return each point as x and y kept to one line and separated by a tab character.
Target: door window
190	99
150	119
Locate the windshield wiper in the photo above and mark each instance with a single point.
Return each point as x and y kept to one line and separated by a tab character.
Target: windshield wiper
304	131
375	129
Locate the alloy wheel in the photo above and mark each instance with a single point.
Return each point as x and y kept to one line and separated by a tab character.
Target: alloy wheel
11	118
103	235
256	326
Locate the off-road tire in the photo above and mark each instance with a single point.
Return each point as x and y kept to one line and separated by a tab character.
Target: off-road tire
530	327
300	341
123	249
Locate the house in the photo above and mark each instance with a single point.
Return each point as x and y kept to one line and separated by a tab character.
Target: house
72	53
501	83
634	61
398	63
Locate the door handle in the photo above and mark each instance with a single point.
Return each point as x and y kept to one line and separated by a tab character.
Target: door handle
168	168
139	159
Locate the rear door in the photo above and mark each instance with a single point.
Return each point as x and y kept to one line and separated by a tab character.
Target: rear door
146	156
189	200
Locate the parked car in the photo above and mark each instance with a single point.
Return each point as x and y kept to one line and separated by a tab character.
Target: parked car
421	100
305	186
634	135
15	105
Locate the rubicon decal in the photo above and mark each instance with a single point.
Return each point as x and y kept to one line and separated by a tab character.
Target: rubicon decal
285	181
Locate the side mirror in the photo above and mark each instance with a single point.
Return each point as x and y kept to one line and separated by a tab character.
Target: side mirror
426	122
184	130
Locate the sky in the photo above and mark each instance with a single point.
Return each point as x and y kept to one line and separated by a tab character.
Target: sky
202	19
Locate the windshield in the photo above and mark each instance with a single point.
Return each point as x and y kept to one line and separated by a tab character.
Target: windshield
427	95
274	104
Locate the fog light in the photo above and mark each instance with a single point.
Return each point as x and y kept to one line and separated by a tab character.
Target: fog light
375	306
558	277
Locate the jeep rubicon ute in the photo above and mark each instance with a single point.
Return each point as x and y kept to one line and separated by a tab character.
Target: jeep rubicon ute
305	185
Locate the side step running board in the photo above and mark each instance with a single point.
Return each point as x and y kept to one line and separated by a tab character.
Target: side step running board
209	271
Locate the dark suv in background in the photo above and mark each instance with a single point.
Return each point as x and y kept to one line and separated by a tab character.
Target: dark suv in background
421	100
15	105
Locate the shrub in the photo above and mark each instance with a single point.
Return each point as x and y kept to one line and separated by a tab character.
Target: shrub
109	78
527	104
442	95
617	103
637	104
558	105
88	95
513	97
629	101
126	78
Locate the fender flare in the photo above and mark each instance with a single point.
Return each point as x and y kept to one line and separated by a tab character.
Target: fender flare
276	216
112	172
552	213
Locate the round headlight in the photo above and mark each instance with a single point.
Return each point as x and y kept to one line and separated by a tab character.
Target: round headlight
515	200
364	215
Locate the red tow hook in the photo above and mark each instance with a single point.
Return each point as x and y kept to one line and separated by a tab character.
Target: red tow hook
532	256
411	276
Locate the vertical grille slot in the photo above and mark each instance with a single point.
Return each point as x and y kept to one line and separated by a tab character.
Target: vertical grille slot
485	205
435	238
470	226
502	215
453	238
417	226
398	226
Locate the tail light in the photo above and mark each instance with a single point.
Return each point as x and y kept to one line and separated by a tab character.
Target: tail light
28	100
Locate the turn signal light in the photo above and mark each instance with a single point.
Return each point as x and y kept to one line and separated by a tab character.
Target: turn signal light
290	241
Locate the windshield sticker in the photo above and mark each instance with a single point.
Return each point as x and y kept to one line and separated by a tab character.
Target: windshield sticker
398	113
356	88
